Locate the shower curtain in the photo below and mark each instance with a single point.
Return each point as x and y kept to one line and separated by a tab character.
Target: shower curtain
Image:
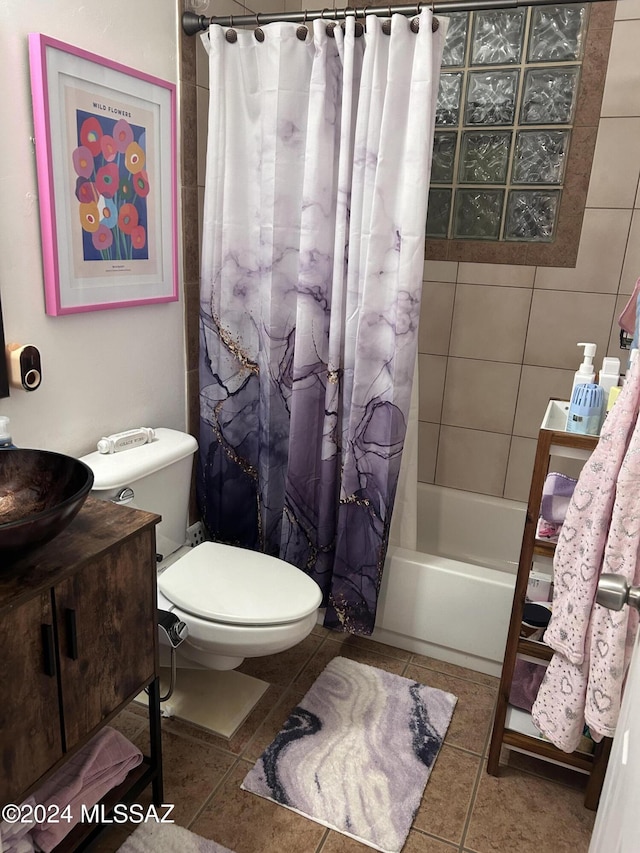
317	175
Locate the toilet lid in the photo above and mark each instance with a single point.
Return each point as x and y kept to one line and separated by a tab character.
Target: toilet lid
239	587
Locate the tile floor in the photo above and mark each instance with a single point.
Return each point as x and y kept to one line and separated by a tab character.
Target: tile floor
532	807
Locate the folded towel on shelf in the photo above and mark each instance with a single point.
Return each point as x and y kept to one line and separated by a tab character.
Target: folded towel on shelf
83	780
527	678
556	494
16	837
547	530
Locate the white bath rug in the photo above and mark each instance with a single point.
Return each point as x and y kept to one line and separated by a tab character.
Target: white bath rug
168	838
356	753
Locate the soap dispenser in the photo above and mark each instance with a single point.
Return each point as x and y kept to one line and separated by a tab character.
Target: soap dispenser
6	442
585	374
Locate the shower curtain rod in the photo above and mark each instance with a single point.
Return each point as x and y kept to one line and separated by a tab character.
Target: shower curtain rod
193	23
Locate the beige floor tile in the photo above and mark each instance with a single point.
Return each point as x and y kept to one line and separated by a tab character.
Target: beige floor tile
518	811
282	668
447	797
372	646
192	770
417	842
348	648
238	741
472	717
129	724
553	772
246	823
455	670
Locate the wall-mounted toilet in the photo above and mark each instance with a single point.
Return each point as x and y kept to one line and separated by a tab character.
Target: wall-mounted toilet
236	603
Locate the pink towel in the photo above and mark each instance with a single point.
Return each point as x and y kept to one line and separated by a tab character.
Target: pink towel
612	633
16	837
577	562
584	680
86	777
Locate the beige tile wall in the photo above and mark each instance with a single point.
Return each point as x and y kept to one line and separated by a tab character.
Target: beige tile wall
497	341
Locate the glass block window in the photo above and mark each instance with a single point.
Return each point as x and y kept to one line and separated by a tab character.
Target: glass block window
507	98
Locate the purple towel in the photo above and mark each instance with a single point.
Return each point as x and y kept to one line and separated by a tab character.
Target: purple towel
527	678
556	494
85	778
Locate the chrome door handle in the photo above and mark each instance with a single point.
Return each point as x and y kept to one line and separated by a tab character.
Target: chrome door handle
614	592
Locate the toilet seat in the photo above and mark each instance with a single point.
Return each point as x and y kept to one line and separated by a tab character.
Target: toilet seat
235	586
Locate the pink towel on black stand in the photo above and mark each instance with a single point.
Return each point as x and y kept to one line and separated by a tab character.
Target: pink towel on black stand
86	777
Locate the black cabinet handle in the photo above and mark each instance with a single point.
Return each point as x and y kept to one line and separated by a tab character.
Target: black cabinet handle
49	649
72	633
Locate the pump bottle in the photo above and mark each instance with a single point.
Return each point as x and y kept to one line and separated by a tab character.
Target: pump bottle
585	374
6	442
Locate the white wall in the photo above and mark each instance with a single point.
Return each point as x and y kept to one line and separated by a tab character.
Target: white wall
103	371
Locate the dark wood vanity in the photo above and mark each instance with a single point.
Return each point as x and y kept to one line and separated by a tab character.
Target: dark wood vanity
78	641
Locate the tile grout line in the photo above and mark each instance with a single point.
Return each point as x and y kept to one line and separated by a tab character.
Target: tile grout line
216	788
479	775
323	841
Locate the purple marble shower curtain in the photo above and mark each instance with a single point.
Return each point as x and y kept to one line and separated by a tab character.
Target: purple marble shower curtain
318	167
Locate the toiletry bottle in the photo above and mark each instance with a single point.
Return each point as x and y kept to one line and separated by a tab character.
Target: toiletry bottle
5	436
585	374
609	375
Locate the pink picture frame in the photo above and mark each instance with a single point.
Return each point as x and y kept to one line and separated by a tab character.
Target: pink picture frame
106	162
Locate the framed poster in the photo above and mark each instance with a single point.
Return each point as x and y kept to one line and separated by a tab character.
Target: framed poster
107	180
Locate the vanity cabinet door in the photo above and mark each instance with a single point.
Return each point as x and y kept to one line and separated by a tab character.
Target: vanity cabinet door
106	618
30	732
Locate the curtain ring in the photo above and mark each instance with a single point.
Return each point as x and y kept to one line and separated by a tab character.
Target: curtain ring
386	24
322	13
415	22
231	35
303	30
258	32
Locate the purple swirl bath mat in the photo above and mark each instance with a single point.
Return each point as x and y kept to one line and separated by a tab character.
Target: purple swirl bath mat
356	753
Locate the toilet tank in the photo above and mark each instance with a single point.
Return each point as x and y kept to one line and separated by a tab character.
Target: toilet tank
158	474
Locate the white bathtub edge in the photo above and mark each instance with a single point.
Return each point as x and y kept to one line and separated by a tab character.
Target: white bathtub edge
446	609
441	653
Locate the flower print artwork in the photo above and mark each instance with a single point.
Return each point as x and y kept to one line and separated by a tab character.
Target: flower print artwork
111	188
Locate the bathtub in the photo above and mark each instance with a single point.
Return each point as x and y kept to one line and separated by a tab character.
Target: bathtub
451	599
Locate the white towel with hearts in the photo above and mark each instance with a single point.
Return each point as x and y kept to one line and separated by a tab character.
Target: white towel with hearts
585	678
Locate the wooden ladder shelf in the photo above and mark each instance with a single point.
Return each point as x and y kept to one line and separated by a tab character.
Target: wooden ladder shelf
550	443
